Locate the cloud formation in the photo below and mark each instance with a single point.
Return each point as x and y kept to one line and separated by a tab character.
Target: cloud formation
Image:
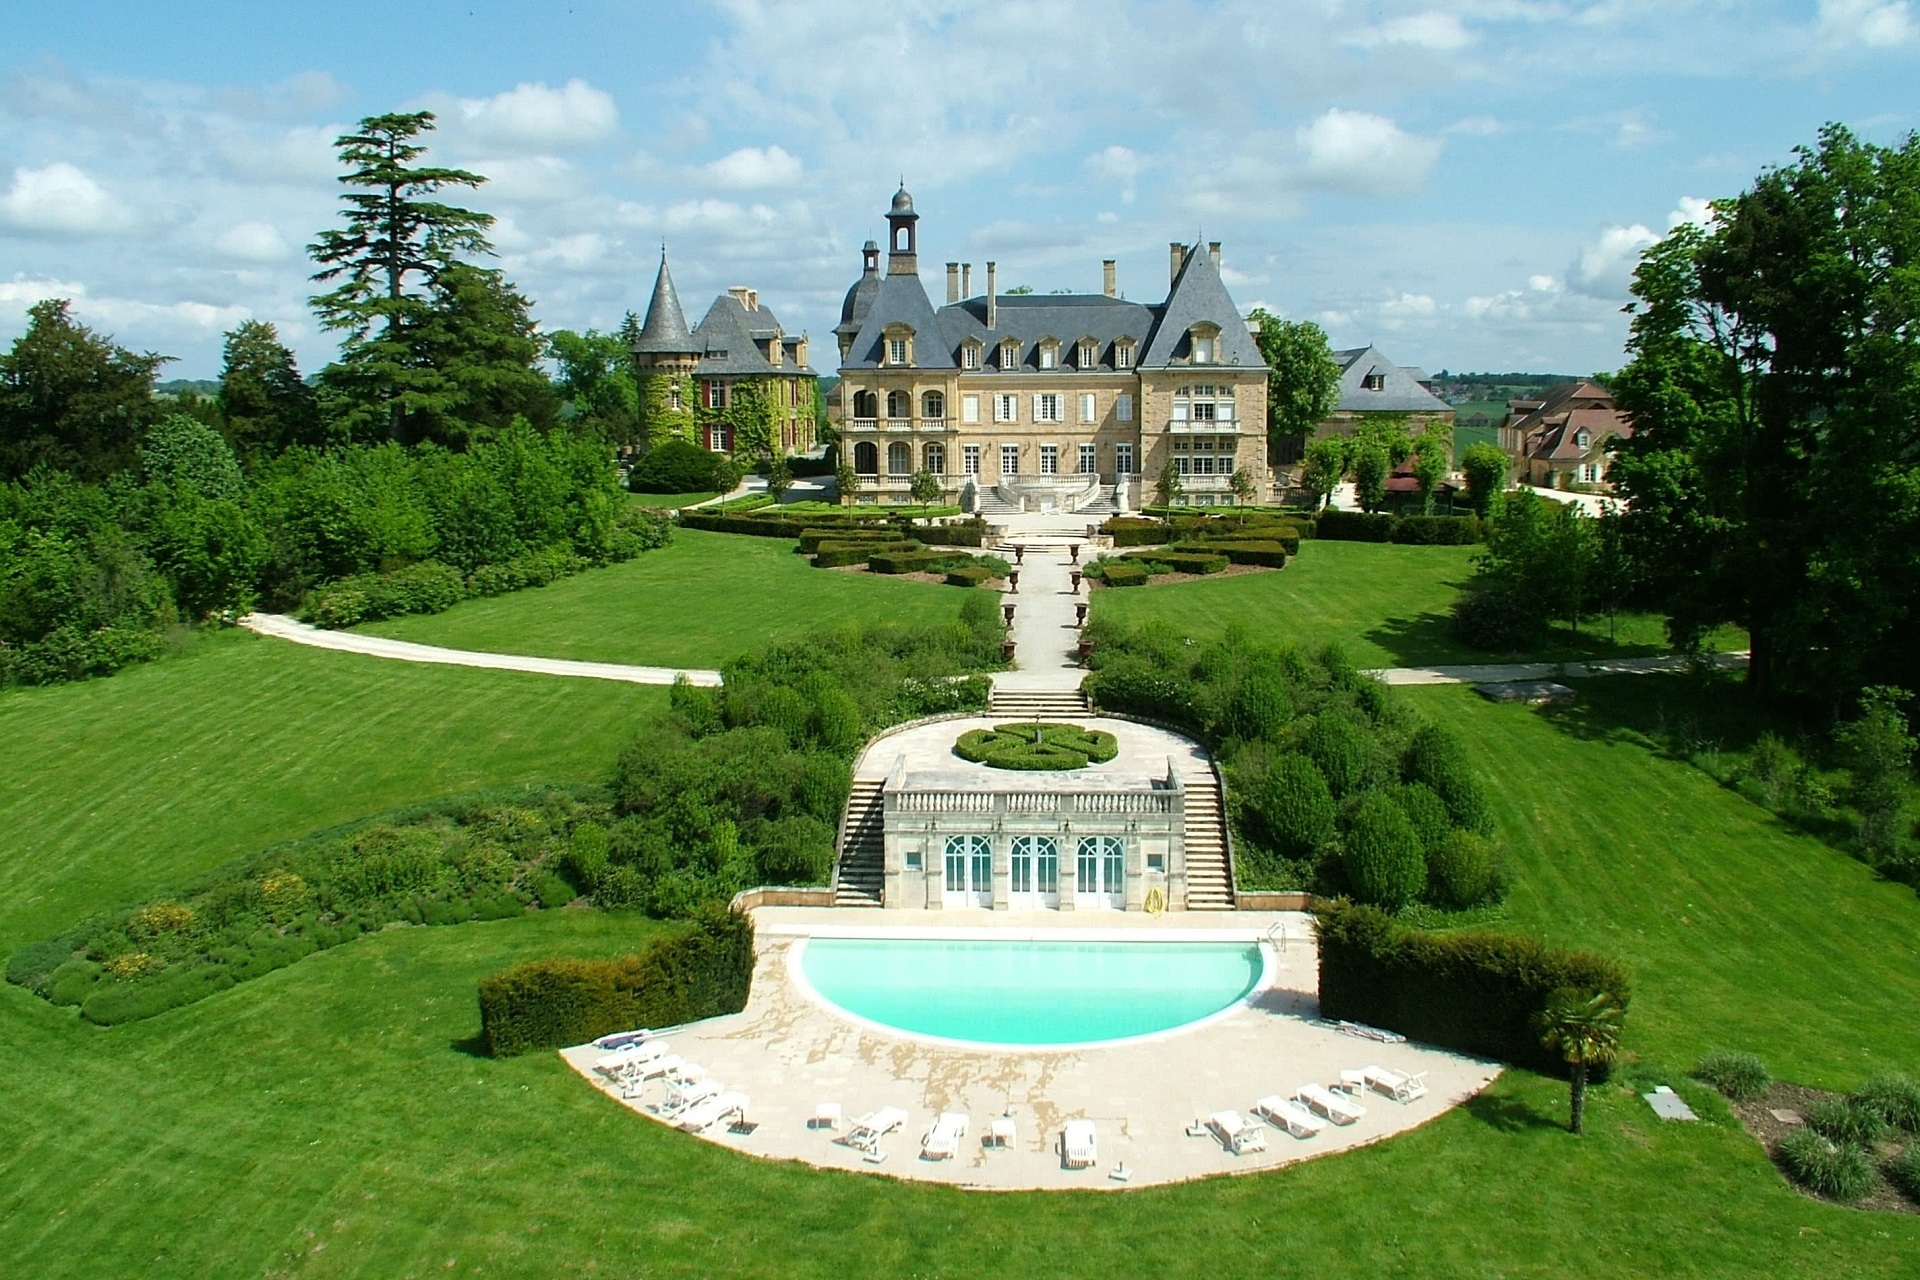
755	168
1874	24
1359	154
533	117
61	200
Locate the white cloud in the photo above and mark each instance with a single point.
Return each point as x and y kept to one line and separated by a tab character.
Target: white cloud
1605	265
533	117
165	317
1118	164
756	168
1442	32
1876	24
253	242
1356	153
1692	209
19	293
60	200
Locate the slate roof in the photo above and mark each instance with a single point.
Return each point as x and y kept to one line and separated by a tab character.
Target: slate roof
1064	317
665	332
1400	391
859	299
1199	295
1552	429
730	337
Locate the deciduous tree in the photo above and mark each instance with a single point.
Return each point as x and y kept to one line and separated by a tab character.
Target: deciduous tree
266	408
71	399
1303	384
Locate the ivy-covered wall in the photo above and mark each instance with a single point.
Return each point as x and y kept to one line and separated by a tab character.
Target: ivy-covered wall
659	420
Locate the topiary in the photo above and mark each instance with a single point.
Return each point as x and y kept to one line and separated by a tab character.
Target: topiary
1841	1172
1896	1099
1290	809
1381	854
1844	1120
1460	870
1740	1076
1437	756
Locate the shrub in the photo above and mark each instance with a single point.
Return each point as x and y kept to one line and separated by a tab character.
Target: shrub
1895	1098
1270	554
1473	991
1847	1121
1118	574
69	653
700	971
954	533
1014	746
753	526
1129	532
551	892
676	466
1837	1172
1338	744
835	555
969	575
1740	1076
1381	854
112	1003
1437	531
1903	1171
1183	562
811	539
1426	811
427	587
1290	810
1437	757
1354	526
910	561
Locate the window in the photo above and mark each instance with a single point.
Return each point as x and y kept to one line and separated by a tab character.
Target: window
1006	407
1089	407
969	408
1048	407
1203	403
720	438
866	458
1034	864
866	404
1049	459
1583	439
673	398
1049	355
1123	459
1102	866
1589	473
1089	354
1123	355
1009	459
1089	459
899	404
899	459
970	460
970	356
1123	408
715	394
1374	382
1204	347
1009	355
969	866
896	350
935	456
933	405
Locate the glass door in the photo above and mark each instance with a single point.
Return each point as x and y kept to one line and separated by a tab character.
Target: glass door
1102	867
1034	862
969	881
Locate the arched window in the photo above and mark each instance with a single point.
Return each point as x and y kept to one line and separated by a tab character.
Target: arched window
933	405
936	458
899	404
899	459
866	404
866	458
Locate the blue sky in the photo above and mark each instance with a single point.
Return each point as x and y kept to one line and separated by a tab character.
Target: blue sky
1464	183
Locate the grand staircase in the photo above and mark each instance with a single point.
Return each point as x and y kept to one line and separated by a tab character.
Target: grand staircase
1209	882
1037	704
861	876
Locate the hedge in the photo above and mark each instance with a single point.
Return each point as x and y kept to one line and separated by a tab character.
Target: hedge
1267	554
1061	746
1115	573
969	575
744	504
810	539
699	972
1475	992
1137	533
752	526
1355	526
837	555
1429	531
72	653
1182	561
960	533
926	561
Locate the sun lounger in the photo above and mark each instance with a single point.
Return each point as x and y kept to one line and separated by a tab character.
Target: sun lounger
826	1115
943	1140
1079	1147
1330	1104
1396	1085
621	1039
683	1098
1289	1115
1237	1135
1001	1133
619	1064
865	1133
712	1111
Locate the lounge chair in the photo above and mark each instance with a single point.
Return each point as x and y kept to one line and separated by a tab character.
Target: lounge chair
1079	1148
685	1097
826	1115
712	1111
621	1039
865	1133
1330	1104
943	1140
1237	1135
1396	1084
621	1063
1001	1133
1287	1114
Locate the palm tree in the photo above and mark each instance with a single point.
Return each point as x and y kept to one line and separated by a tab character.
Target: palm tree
1585	1029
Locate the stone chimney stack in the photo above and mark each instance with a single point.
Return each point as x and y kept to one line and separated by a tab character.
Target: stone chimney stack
1213	251
966	279
953	282
993	300
1176	258
1108	285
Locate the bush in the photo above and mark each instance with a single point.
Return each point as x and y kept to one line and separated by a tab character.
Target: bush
1496	618
428	587
812	538
911	561
68	653
1437	531
1903	1171
1116	573
954	533
1338	743
1059	746
701	971
1290	810
1477	992
676	466
1847	1121
753	526
1896	1099
1438	757
112	1003
1740	1076
1127	532
1837	1172
836	555
1267	554
969	575
1354	526
1381	854
1182	562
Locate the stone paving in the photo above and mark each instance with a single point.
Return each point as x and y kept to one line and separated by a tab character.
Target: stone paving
1045	637
928	752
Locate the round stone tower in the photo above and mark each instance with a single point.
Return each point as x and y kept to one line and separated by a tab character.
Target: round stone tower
664	359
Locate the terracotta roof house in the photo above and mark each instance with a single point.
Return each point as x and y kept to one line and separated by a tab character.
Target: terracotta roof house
1564	440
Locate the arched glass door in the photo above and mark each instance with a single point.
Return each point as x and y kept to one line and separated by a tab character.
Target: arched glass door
969	881
1101	867
1034	863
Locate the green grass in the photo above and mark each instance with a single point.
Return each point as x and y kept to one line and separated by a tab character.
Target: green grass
706	598
114	789
664	501
1389	605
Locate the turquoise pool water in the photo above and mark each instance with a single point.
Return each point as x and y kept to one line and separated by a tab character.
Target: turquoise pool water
1030	993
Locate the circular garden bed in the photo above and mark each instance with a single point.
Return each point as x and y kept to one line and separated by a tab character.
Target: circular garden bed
1037	746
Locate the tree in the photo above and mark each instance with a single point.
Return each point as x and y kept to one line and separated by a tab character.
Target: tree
924	488
1370	467
480	343
596	382
1485	466
72	400
1585	1030
1168	488
266	408
779	478
1242	485
387	260
1326	462
846	481
1879	752
1382	856
1303	384
1429	469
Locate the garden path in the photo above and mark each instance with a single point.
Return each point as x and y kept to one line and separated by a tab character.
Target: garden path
1045	635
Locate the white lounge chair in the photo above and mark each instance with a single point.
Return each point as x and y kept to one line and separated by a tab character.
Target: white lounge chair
1079	1147
1287	1114
943	1140
865	1133
713	1110
1396	1084
1001	1133
621	1039
621	1063
1237	1135
1330	1104
685	1097
826	1115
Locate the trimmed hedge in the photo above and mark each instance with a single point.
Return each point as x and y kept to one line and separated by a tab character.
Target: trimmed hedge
911	561
753	526
1423	531
1118	574
810	539
959	533
1061	746
969	575
1127	532
1265	554
700	972
836	555
1479	993
1355	526
1182	561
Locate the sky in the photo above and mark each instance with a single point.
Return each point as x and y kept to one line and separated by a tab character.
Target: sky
1466	184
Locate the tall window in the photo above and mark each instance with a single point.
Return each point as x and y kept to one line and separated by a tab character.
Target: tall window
1049	459
970	356
1374	382
896	350
1049	355
899	404
866	404
1123	355
1203	403
1006	407
936	458
1204	347
1009	459
1010	354
1589	473
866	458
933	405
969	866
969	408
716	394
1123	459
899	459
1089	355
673	398
969	459
1048	407
1123	408
1089	407
1583	439
1089	459
720	438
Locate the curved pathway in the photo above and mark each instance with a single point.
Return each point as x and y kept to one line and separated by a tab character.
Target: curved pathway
284	628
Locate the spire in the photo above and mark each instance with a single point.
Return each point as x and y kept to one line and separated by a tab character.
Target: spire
665	332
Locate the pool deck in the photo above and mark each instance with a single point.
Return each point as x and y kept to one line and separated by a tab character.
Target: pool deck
789	1053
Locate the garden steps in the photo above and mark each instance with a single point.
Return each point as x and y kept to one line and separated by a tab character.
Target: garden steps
860	878
1209	881
1037	704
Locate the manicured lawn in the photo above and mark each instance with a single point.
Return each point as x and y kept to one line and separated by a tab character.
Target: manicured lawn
674	500
1387	604
113	789
706	598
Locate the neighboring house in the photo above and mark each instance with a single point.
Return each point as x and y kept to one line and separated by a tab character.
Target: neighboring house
1049	401
735	382
1403	488
1373	386
1566	439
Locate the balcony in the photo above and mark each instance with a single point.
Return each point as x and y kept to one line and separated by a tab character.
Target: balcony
1227	427
899	424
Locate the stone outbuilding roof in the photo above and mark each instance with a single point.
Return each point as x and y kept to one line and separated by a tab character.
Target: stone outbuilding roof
1396	388
733	337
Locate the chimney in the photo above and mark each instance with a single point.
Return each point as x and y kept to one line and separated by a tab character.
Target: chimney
993	300
966	279
953	283
742	295
1107	283
1176	258
1213	251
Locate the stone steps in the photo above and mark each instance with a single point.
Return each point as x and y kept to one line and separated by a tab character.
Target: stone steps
1037	704
860	878
1209	882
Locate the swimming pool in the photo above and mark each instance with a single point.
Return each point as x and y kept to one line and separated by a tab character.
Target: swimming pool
1028	993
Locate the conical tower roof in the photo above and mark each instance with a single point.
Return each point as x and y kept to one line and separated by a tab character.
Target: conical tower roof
665	332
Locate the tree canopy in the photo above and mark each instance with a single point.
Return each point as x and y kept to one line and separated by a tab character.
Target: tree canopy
71	399
1304	383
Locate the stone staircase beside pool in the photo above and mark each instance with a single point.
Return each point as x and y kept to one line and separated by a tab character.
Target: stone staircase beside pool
860	878
1209	877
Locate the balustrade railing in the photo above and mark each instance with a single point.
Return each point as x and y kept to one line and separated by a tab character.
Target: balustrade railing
1088	802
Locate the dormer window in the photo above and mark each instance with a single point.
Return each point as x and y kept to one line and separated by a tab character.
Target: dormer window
1009	355
899	348
1089	353
1374	382
1049	354
970	355
1123	355
1205	344
1583	439
896	350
